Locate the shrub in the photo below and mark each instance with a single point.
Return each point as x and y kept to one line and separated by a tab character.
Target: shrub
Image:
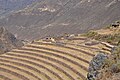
91	34
109	62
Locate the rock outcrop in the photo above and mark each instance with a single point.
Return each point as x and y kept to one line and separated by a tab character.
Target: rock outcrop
105	67
8	41
95	65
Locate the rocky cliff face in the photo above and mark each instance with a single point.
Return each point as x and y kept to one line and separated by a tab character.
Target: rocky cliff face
8	41
105	67
95	65
48	17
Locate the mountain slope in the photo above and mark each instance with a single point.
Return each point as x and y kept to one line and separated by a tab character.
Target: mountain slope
49	17
9	6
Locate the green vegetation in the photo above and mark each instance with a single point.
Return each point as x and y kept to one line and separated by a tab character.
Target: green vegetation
118	42
110	38
91	34
113	62
113	39
111	66
116	52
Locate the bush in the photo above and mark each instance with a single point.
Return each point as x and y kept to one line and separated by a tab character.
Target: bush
91	34
109	62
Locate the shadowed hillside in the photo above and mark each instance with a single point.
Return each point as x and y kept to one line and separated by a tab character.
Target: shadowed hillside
49	17
8	41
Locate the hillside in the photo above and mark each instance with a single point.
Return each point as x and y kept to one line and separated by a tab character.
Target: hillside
8	41
8	7
48	17
105	66
64	57
110	34
59	39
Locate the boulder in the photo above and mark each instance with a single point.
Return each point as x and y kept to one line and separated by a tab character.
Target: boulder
95	65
